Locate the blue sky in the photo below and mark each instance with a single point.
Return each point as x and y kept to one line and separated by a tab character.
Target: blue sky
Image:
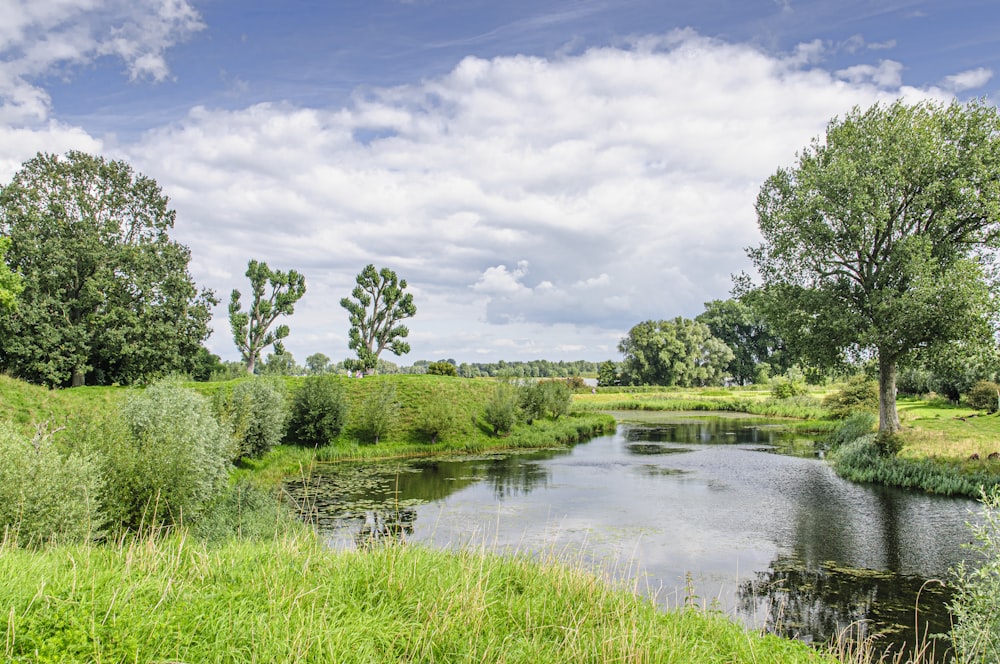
544	174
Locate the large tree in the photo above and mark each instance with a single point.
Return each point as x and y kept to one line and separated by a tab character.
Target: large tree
879	241
274	293
107	296
753	343
678	352
379	304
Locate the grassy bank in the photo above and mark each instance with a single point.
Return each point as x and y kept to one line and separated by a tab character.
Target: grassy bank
754	402
291	600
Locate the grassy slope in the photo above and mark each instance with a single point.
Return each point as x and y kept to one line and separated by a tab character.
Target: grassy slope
291	600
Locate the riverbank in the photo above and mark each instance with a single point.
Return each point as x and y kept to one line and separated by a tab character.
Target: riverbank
292	600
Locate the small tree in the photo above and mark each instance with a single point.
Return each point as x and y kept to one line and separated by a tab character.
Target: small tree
250	329
317	364
502	410
437	419
319	410
442	369
607	374
256	411
378	413
379	304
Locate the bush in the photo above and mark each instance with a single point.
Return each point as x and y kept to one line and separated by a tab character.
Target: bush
256	412
164	459
856	425
976	603
556	397
46	496
437	419
502	410
576	383
786	388
984	395
859	393
319	410
378	413
442	369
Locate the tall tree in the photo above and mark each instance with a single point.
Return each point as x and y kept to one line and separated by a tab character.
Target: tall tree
107	296
251	329
879	240
678	352
748	336
379	304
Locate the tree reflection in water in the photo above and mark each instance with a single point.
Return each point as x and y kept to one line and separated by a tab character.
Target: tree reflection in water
818	603
379	527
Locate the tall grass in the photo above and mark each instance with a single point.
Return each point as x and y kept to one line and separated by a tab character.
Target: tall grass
291	600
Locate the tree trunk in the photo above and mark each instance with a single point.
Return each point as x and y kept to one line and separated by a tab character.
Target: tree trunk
888	418
250	365
78	377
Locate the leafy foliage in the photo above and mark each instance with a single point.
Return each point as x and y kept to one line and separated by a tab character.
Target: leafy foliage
319	410
984	395
377	413
274	293
976	603
437	419
107	297
858	394
442	369
256	412
318	363
11	283
746	333
45	495
878	240
379	304
679	352
858	424
607	374
165	459
503	409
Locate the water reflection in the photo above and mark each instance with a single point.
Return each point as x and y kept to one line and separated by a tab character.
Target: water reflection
692	502
813	603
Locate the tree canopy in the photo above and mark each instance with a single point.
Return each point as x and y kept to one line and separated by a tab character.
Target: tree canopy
251	329
878	242
679	352
748	336
379	304
107	297
11	283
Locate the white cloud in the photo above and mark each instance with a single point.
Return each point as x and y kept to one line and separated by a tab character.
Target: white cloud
537	207
968	80
40	37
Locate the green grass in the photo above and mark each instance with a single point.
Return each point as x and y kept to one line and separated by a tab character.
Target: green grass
292	600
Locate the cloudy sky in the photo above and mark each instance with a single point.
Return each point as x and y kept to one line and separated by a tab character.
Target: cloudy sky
544	173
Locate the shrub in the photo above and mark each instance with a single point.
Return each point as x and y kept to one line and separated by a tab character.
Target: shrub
318	410
976	603
256	412
859	393
437	419
502	409
442	369
576	383
378	413
785	388
856	425
556	397
164	459
984	395
46	496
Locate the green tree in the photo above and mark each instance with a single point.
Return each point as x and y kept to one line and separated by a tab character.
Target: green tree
377	412
442	369
377	305
748	336
607	374
879	241
11	284
317	364
679	352
251	329
502	409
318	410
107	296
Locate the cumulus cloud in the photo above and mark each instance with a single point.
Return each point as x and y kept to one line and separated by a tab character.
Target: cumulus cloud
41	37
968	80
538	207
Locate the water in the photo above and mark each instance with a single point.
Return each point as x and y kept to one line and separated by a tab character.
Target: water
727	512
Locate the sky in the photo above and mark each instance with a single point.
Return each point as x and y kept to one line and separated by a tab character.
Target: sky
544	174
